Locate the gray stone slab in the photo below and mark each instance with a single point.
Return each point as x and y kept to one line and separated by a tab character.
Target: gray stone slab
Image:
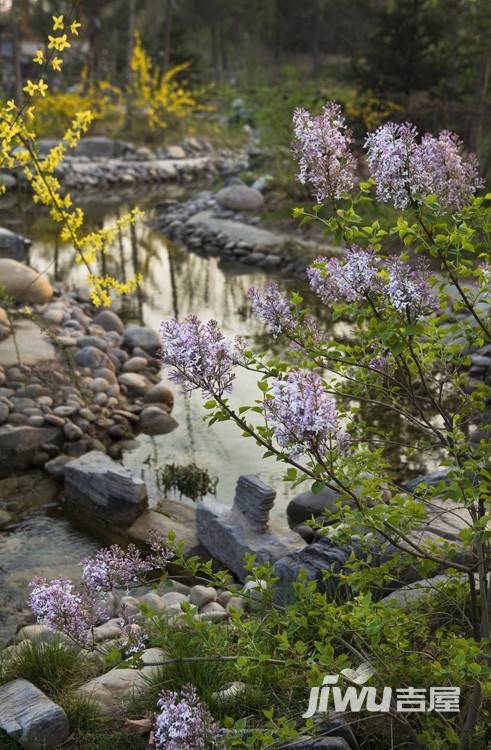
32	345
30	717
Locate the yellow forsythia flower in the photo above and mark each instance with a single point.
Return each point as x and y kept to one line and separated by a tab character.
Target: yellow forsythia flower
42	87
74	27
56	63
58	23
39	57
30	88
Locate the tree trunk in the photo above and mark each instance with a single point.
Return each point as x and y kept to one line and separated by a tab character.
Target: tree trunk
481	91
167	33
16	53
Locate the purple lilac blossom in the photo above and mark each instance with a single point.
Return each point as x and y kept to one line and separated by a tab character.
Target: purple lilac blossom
350	280
381	364
302	414
321	146
113	567
407	288
271	305
160	554
404	168
198	355
184	722
445	171
134	638
57	605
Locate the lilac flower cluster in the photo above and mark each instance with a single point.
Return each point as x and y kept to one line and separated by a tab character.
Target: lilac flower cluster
302	414
408	288
271	305
321	145
114	567
363	275
405	168
134	638
184	722
57	605
353	279
198	355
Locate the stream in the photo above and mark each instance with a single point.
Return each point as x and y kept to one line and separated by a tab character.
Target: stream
177	282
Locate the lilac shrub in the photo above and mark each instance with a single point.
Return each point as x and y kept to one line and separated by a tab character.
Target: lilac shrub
184	722
415	293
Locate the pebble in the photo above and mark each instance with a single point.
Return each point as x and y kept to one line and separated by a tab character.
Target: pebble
202	595
65	411
71	431
136	384
35	421
54	420
96	341
4	412
135	364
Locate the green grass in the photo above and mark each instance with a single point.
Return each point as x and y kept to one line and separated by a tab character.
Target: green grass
52	667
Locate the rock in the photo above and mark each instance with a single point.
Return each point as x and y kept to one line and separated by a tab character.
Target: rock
229	535
72	431
100	147
96	341
306	505
30	717
32	345
91	356
141	336
175	152
5	518
135	364
112	690
174	517
108	630
19	445
213	612
154	601
23	283
405	595
136	384
201	595
318	743
240	198
160	393
56	466
155	421
96	484
108	320
230	692
237	231
262	182
236	602
40	634
4	412
13	245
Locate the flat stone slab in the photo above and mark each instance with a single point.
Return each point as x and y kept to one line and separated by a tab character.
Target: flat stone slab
32	344
19	444
237	231
30	717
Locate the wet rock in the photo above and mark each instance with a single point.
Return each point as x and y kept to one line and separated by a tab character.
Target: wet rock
240	198
104	489
155	421
23	283
30	717
19	444
136	384
146	338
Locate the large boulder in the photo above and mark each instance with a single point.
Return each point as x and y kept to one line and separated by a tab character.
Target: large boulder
30	717
240	198
23	283
173	516
13	245
19	445
104	490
